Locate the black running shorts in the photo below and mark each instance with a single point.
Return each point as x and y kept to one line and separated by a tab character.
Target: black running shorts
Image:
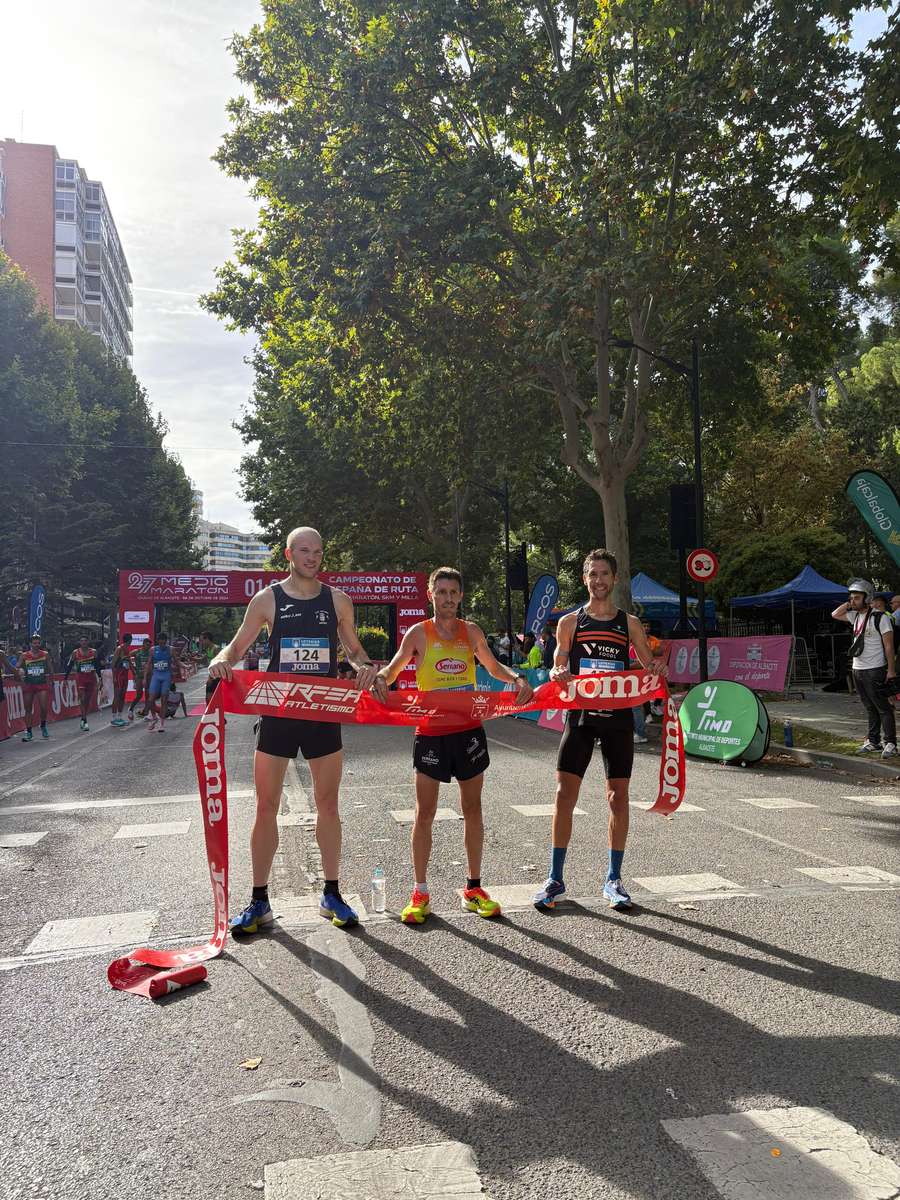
284	737
577	748
445	755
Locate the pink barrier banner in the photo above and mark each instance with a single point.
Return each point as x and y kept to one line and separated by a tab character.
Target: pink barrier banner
63	702
759	663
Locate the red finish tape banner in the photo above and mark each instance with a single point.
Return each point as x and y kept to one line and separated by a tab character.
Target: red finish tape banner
156	972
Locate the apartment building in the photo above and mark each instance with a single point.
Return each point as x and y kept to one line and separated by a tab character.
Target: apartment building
56	224
224	548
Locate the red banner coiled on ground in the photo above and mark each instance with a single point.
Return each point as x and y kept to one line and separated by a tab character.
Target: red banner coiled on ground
156	972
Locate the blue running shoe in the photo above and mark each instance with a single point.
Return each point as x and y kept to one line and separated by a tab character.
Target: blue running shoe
337	910
616	894
257	912
549	894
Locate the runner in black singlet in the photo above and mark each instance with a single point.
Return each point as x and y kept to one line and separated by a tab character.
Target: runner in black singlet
306	619
595	639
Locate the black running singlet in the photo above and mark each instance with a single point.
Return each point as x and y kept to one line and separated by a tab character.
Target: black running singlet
601	645
304	634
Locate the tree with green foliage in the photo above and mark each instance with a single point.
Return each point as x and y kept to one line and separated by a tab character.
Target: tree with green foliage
549	180
88	487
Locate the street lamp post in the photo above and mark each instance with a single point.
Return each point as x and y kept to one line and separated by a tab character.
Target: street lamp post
692	374
502	495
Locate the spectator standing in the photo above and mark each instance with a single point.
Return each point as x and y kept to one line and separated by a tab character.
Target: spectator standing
873	661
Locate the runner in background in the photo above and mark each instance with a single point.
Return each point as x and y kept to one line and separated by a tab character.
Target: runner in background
174	701
139	659
532	653
158	680
445	649
84	660
306	618
121	665
591	640
35	671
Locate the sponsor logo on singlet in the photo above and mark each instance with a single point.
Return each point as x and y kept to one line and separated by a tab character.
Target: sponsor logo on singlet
451	666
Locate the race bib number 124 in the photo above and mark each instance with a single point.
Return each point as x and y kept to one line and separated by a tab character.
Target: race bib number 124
312	655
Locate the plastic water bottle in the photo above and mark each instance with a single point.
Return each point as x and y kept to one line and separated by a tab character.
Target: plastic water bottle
379	890
788	733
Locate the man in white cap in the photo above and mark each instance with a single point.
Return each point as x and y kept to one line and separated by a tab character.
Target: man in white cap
873	663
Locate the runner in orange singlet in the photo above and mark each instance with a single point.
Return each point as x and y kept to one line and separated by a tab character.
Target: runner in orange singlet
445	649
35	669
87	675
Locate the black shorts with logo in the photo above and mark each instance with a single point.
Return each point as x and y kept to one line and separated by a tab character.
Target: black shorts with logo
445	755
616	742
284	737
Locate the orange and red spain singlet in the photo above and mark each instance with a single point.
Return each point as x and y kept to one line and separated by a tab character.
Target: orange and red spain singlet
448	664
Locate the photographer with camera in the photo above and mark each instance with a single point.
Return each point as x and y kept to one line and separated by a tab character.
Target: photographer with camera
874	676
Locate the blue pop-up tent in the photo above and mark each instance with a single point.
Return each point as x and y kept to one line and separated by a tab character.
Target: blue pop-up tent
654	601
809	589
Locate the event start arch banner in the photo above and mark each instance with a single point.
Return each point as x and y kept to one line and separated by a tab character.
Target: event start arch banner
142	592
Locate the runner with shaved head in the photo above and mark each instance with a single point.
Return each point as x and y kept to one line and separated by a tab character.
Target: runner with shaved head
306	620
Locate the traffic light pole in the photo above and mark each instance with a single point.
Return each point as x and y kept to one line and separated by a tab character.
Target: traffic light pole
504	500
698	485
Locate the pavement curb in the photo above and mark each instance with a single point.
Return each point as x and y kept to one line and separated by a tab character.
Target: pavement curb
840	762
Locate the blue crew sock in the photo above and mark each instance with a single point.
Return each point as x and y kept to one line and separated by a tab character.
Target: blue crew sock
557	862
615	864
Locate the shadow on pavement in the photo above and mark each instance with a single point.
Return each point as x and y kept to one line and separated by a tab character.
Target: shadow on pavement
540	1098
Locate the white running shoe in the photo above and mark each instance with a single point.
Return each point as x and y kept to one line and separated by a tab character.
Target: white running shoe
889	750
640	740
869	748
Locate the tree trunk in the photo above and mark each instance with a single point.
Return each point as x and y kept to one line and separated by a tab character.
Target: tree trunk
615	528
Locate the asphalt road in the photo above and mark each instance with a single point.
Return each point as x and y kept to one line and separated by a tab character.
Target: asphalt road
671	1052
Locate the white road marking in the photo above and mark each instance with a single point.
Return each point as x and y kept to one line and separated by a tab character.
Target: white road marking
777	802
154	829
406	816
878	801
842	875
730	895
303	820
119	802
670	885
764	837
518	749
542	810
682	807
818	1157
9	841
79	933
432	1172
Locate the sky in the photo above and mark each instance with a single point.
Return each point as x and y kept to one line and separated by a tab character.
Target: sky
136	91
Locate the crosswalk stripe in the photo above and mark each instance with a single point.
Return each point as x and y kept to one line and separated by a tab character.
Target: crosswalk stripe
542	810
154	829
844	875
79	933
119	802
878	801
781	1152
10	841
406	816
776	802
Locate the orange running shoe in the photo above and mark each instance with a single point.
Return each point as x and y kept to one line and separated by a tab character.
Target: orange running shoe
417	909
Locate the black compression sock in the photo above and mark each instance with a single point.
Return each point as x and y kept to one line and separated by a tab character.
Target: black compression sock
261	893
331	888
473	883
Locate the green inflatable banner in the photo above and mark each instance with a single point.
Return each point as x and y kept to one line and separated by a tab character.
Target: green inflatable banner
724	721
877	501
